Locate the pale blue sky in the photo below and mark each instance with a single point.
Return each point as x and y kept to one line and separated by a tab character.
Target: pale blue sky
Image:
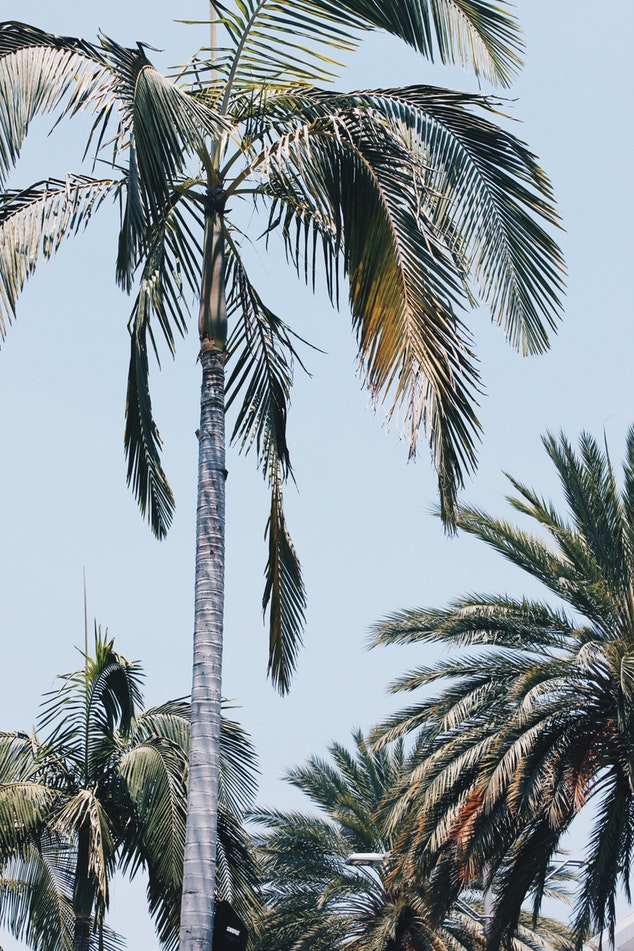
361	519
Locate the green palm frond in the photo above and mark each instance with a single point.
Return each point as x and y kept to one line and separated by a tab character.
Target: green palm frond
154	772
18	756
284	592
51	72
36	890
269	43
33	224
238	877
142	440
92	707
316	900
238	766
162	127
24	808
534	720
478	34
488	194
262	356
402	283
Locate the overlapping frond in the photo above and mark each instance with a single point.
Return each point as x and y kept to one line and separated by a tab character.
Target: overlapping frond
272	43
537	722
36	888
316	899
163	127
108	786
423	198
489	197
345	184
92	707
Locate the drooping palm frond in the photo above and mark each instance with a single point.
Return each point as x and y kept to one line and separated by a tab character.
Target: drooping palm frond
51	73
163	127
33	224
444	201
36	889
480	34
284	592
402	284
262	354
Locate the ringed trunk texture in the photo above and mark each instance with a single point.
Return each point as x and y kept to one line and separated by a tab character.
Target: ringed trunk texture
197	909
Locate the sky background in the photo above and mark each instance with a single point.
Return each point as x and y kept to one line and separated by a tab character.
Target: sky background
362	516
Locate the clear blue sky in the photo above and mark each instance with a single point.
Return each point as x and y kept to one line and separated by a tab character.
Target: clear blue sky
361	519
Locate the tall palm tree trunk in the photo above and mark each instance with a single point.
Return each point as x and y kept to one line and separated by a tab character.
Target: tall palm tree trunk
197	909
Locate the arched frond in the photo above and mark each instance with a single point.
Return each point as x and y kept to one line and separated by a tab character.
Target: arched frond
271	43
36	889
41	73
33	224
92	707
163	127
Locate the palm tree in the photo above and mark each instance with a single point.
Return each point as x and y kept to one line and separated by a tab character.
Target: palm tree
414	196
535	721
316	899
106	788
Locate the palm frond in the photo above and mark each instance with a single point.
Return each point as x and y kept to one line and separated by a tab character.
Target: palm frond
284	593
36	889
142	440
269	43
481	35
162	128
33	224
402	282
40	73
489	195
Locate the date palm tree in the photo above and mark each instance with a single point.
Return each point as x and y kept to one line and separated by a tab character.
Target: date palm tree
102	785
535	721
316	900
414	196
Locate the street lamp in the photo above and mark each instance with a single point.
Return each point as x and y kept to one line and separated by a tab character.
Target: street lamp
373	859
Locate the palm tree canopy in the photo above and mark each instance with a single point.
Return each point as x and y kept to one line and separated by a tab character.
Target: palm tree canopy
99	765
317	900
416	196
535	717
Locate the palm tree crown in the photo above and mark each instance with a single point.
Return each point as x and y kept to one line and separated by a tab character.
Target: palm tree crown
103	785
415	193
536	720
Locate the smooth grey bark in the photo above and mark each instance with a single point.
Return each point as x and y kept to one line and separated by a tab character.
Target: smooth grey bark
199	870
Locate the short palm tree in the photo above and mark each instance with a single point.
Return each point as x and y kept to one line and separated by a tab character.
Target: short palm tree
415	196
535	720
102	786
317	901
